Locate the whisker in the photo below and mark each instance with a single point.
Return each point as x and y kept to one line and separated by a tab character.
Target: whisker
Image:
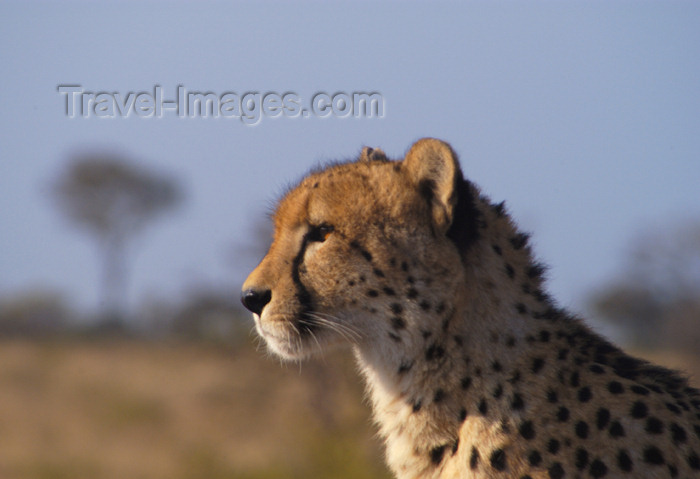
333	323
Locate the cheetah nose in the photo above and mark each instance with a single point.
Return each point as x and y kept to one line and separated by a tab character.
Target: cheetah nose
255	300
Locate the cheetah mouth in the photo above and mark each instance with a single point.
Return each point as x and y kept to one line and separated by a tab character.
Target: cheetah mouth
286	336
301	335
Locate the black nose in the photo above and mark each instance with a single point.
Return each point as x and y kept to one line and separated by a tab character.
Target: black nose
255	300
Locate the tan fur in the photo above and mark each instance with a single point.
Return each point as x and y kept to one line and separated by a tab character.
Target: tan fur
472	370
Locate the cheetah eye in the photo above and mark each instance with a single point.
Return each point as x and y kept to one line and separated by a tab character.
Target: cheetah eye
319	233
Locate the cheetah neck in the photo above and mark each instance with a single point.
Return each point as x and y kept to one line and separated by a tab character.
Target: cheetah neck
454	359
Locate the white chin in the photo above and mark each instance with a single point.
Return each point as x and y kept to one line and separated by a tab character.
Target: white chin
287	347
285	350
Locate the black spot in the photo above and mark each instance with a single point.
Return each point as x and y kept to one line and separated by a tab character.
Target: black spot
519	240
395	337
673	470
534	458
474	458
499	209
398	323
515	377
396	308
440	307
498	392
462	414
563	414
653	455
694	461
466	382
553	446
582	429
576	381
439	396
673	408
517	403
496	366
639	410
584	394
365	254
616	430
372	293
654	426
388	291
417	405
412	293
378	272
556	471
602	418
483	406
455	446
497	249
624	461
405	367
615	387
544	336
598	468
404	266
435	351
520	307
581	458
678	434
510	271
498	460
527	430
458	339
596	369
537	364
535	270
436	454
510	341
642	391
562	355
552	396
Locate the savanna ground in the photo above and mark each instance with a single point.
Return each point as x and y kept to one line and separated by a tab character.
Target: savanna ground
116	409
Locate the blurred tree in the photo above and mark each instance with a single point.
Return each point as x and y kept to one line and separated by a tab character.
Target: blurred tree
657	301
113	200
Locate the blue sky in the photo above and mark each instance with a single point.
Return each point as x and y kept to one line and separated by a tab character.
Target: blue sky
583	116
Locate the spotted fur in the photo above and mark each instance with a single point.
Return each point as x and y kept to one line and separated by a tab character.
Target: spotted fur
473	371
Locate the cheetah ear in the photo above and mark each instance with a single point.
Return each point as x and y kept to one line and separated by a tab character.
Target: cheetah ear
433	167
372	154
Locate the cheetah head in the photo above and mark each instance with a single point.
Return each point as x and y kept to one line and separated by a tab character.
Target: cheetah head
355	244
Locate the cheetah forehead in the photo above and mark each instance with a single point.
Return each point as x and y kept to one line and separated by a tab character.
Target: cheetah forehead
362	188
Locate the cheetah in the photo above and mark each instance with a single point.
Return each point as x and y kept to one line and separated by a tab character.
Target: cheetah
471	368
